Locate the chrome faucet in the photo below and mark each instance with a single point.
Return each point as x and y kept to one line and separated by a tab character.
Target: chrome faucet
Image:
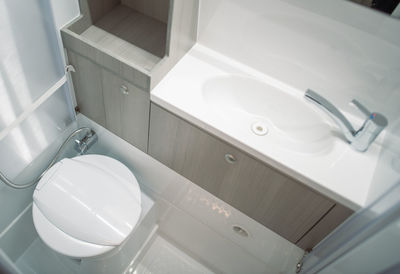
359	139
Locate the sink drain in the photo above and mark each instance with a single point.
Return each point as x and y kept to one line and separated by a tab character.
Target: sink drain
259	128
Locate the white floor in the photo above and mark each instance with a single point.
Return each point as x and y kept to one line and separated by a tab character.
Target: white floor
39	259
197	226
163	258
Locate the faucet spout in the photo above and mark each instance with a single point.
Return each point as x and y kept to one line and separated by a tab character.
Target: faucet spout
332	111
359	139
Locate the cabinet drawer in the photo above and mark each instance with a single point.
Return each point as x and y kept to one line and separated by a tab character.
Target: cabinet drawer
278	202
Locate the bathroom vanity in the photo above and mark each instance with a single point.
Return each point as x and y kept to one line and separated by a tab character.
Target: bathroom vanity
121	50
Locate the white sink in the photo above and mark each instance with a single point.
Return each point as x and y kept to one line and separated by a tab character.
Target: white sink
281	118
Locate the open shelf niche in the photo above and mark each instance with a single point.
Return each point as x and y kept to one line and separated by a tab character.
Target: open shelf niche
137	40
134	30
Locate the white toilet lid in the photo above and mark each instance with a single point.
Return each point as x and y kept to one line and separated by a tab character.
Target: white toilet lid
86	205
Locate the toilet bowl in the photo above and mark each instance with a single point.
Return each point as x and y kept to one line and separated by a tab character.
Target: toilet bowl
86	206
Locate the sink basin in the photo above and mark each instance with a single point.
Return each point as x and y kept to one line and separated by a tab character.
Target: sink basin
253	107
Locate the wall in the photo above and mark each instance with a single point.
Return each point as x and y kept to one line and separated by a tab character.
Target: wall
35	106
158	9
181	36
99	8
340	49
64	11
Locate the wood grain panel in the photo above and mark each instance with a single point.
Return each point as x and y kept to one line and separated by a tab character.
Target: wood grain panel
157	9
182	34
189	152
98	8
136	28
126	51
88	87
280	203
132	70
273	199
127	115
337	215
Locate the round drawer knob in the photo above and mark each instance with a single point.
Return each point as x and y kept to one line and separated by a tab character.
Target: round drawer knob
124	90
230	158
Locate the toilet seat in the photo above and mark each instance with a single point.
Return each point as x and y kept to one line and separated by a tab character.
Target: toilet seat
86	206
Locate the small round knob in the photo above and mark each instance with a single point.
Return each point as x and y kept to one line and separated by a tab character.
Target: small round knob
230	158
124	90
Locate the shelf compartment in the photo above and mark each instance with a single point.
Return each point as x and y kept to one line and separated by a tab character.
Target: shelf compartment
136	37
124	26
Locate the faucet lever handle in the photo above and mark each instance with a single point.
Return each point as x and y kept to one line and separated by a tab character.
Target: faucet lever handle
359	139
361	107
377	118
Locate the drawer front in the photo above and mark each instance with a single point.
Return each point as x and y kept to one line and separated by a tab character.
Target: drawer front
278	202
127	109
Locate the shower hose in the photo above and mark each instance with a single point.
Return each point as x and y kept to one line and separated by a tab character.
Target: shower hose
8	182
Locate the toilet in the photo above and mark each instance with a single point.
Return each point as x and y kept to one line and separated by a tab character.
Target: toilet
86	206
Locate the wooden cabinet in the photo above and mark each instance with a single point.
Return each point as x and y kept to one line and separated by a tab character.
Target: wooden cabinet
278	202
127	109
114	103
326	225
88	88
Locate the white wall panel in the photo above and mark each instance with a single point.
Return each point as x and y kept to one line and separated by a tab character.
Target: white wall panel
30	64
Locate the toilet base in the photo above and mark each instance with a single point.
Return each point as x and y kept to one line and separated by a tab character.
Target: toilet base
118	259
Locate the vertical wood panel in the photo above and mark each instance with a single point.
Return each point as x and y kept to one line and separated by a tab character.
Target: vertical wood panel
135	28
127	115
88	87
333	219
182	35
98	8
157	9
189	152
280	203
